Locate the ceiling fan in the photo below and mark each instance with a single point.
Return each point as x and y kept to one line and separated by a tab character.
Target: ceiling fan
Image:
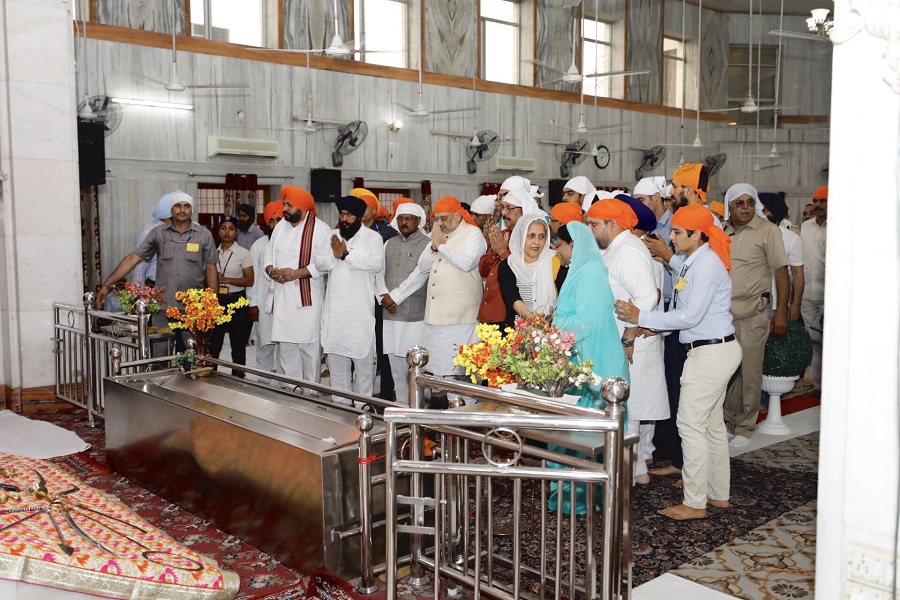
818	27
337	49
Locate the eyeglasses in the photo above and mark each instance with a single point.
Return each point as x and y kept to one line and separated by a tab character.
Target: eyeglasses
747	202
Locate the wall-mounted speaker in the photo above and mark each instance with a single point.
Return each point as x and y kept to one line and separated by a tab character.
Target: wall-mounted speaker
555	190
325	184
91	153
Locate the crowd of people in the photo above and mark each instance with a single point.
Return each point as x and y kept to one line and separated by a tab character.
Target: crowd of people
661	287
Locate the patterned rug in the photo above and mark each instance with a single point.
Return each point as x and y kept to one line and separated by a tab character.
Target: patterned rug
262	577
796	454
80	465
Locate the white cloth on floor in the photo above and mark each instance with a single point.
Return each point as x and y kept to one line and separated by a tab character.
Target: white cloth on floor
36	439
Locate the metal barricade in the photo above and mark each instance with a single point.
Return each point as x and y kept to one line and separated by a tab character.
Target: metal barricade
83	349
553	554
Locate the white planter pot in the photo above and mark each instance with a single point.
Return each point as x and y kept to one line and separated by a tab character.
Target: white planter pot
776	386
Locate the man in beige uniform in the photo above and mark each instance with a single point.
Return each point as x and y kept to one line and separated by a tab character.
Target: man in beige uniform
757	253
454	284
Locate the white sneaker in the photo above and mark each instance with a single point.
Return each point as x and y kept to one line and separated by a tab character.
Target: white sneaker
739	442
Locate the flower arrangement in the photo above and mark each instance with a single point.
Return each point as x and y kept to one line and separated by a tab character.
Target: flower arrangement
129	293
202	311
535	354
789	355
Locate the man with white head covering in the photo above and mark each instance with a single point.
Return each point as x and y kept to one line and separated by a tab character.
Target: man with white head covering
482	211
576	189
400	286
162	213
757	254
186	258
594	196
516	202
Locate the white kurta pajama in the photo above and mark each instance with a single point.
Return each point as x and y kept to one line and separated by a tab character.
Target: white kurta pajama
454	295
256	295
633	275
348	321
296	328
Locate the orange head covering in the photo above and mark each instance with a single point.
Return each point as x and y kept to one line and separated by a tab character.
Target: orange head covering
718	208
449	204
299	198
397	203
273	208
694	176
613	210
566	212
382	211
366	196
698	218
821	192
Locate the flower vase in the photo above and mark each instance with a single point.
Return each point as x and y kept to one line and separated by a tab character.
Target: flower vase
202	341
776	386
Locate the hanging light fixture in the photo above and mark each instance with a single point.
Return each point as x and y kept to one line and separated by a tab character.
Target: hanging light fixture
818	23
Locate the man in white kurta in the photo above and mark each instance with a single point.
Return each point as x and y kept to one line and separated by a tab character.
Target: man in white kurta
257	293
632	276
454	284
348	322
296	314
401	292
813	233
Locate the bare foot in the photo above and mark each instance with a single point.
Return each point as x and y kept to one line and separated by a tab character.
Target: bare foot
680	512
667	470
718	503
642	479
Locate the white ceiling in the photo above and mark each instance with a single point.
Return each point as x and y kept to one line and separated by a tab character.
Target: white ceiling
773	7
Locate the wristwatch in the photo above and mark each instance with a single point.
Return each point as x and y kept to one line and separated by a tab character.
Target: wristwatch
345	254
627	343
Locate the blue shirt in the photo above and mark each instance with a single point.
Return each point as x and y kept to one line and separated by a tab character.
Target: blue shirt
702	310
664	230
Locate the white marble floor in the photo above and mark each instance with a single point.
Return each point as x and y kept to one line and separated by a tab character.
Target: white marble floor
670	586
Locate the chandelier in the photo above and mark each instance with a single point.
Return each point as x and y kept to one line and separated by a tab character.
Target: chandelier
818	23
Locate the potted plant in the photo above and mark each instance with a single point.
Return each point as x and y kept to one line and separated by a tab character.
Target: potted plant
785	361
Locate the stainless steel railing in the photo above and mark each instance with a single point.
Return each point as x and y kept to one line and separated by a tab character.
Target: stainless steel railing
457	516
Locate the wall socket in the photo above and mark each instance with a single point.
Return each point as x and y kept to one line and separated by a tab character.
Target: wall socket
870	573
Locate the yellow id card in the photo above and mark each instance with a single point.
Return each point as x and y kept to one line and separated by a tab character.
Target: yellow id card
679	285
192	247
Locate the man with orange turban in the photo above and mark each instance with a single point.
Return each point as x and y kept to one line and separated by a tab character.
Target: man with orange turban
633	275
256	293
701	313
454	284
373	205
296	258
812	308
757	256
564	213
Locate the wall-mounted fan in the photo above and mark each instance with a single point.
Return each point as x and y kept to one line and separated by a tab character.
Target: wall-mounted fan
101	109
349	138
572	155
650	160
483	145
715	163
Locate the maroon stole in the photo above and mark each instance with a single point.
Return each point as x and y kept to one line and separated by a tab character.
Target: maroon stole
306	246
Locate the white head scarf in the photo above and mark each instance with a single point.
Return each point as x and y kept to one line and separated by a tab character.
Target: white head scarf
738	190
180	196
535	192
580	184
594	196
163	208
483	205
534	280
651	185
410	208
523	199
516	182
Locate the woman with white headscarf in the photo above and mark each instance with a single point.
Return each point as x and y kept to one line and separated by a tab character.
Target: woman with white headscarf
526	276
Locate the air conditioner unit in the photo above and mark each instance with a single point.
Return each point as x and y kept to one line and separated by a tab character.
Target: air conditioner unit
218	145
511	163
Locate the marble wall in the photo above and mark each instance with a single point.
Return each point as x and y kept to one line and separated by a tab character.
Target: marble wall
148	15
321	23
644	52
451	37
554	43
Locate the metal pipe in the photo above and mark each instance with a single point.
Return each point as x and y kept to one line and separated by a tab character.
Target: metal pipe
116	355
416	358
366	585
615	393
390	511
88	372
143	320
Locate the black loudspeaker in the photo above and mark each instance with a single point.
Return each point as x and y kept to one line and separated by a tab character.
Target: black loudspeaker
325	184
91	153
556	190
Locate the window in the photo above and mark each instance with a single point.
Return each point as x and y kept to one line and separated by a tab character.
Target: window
762	80
596	56
500	41
673	72
228	21
381	25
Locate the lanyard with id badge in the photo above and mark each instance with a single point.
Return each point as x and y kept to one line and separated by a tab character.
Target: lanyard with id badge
223	289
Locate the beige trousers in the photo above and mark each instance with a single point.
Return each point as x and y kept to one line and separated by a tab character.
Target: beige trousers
706	472
742	401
